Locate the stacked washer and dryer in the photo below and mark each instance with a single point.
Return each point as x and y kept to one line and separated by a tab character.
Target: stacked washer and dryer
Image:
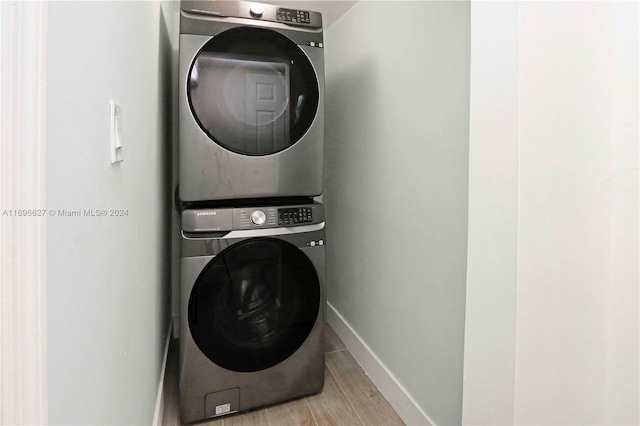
253	240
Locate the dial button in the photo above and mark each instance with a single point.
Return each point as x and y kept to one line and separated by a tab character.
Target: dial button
258	217
256	10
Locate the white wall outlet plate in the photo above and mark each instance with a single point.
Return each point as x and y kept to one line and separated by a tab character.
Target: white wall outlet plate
115	114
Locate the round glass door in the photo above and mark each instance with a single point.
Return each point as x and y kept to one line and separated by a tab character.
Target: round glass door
254	304
253	91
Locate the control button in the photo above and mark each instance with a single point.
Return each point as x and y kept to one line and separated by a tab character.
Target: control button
258	217
256	10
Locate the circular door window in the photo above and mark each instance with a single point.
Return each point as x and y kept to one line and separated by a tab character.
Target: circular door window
254	304
253	91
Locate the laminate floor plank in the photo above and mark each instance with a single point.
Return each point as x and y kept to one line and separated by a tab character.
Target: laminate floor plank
364	396
248	418
213	422
332	342
292	413
331	407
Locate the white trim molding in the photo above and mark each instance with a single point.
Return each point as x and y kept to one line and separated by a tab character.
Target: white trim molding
401	401
23	332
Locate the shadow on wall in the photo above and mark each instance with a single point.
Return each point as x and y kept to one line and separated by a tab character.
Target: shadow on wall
165	132
347	153
350	173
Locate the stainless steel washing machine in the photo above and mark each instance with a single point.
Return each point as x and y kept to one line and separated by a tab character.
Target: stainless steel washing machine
251	101
251	308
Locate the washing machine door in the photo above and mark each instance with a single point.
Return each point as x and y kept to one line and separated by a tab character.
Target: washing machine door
254	304
253	91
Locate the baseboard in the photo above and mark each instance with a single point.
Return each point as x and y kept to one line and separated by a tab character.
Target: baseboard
387	384
159	411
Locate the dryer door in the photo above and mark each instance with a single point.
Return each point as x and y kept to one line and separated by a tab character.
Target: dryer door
253	91
254	304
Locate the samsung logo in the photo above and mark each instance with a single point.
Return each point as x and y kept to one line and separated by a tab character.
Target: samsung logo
206	213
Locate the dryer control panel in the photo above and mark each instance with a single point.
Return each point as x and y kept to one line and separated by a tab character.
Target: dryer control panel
230	219
290	15
252	10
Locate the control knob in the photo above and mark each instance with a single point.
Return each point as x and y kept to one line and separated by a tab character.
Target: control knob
256	10
258	217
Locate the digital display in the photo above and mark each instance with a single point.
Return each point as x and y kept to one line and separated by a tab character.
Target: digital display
293	215
290	15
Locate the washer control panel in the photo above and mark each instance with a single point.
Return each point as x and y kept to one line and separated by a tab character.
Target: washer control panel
238	218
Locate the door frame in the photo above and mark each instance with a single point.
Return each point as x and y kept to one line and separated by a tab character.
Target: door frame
23	302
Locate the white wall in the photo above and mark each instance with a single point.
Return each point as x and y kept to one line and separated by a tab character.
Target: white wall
552	294
108	278
397	96
489	361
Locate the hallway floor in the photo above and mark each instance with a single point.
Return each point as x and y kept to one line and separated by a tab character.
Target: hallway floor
348	398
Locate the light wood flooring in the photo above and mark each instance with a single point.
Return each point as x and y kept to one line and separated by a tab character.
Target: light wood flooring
348	398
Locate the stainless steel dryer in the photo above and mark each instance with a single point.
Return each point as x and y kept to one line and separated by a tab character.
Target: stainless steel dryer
251	308
251	101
